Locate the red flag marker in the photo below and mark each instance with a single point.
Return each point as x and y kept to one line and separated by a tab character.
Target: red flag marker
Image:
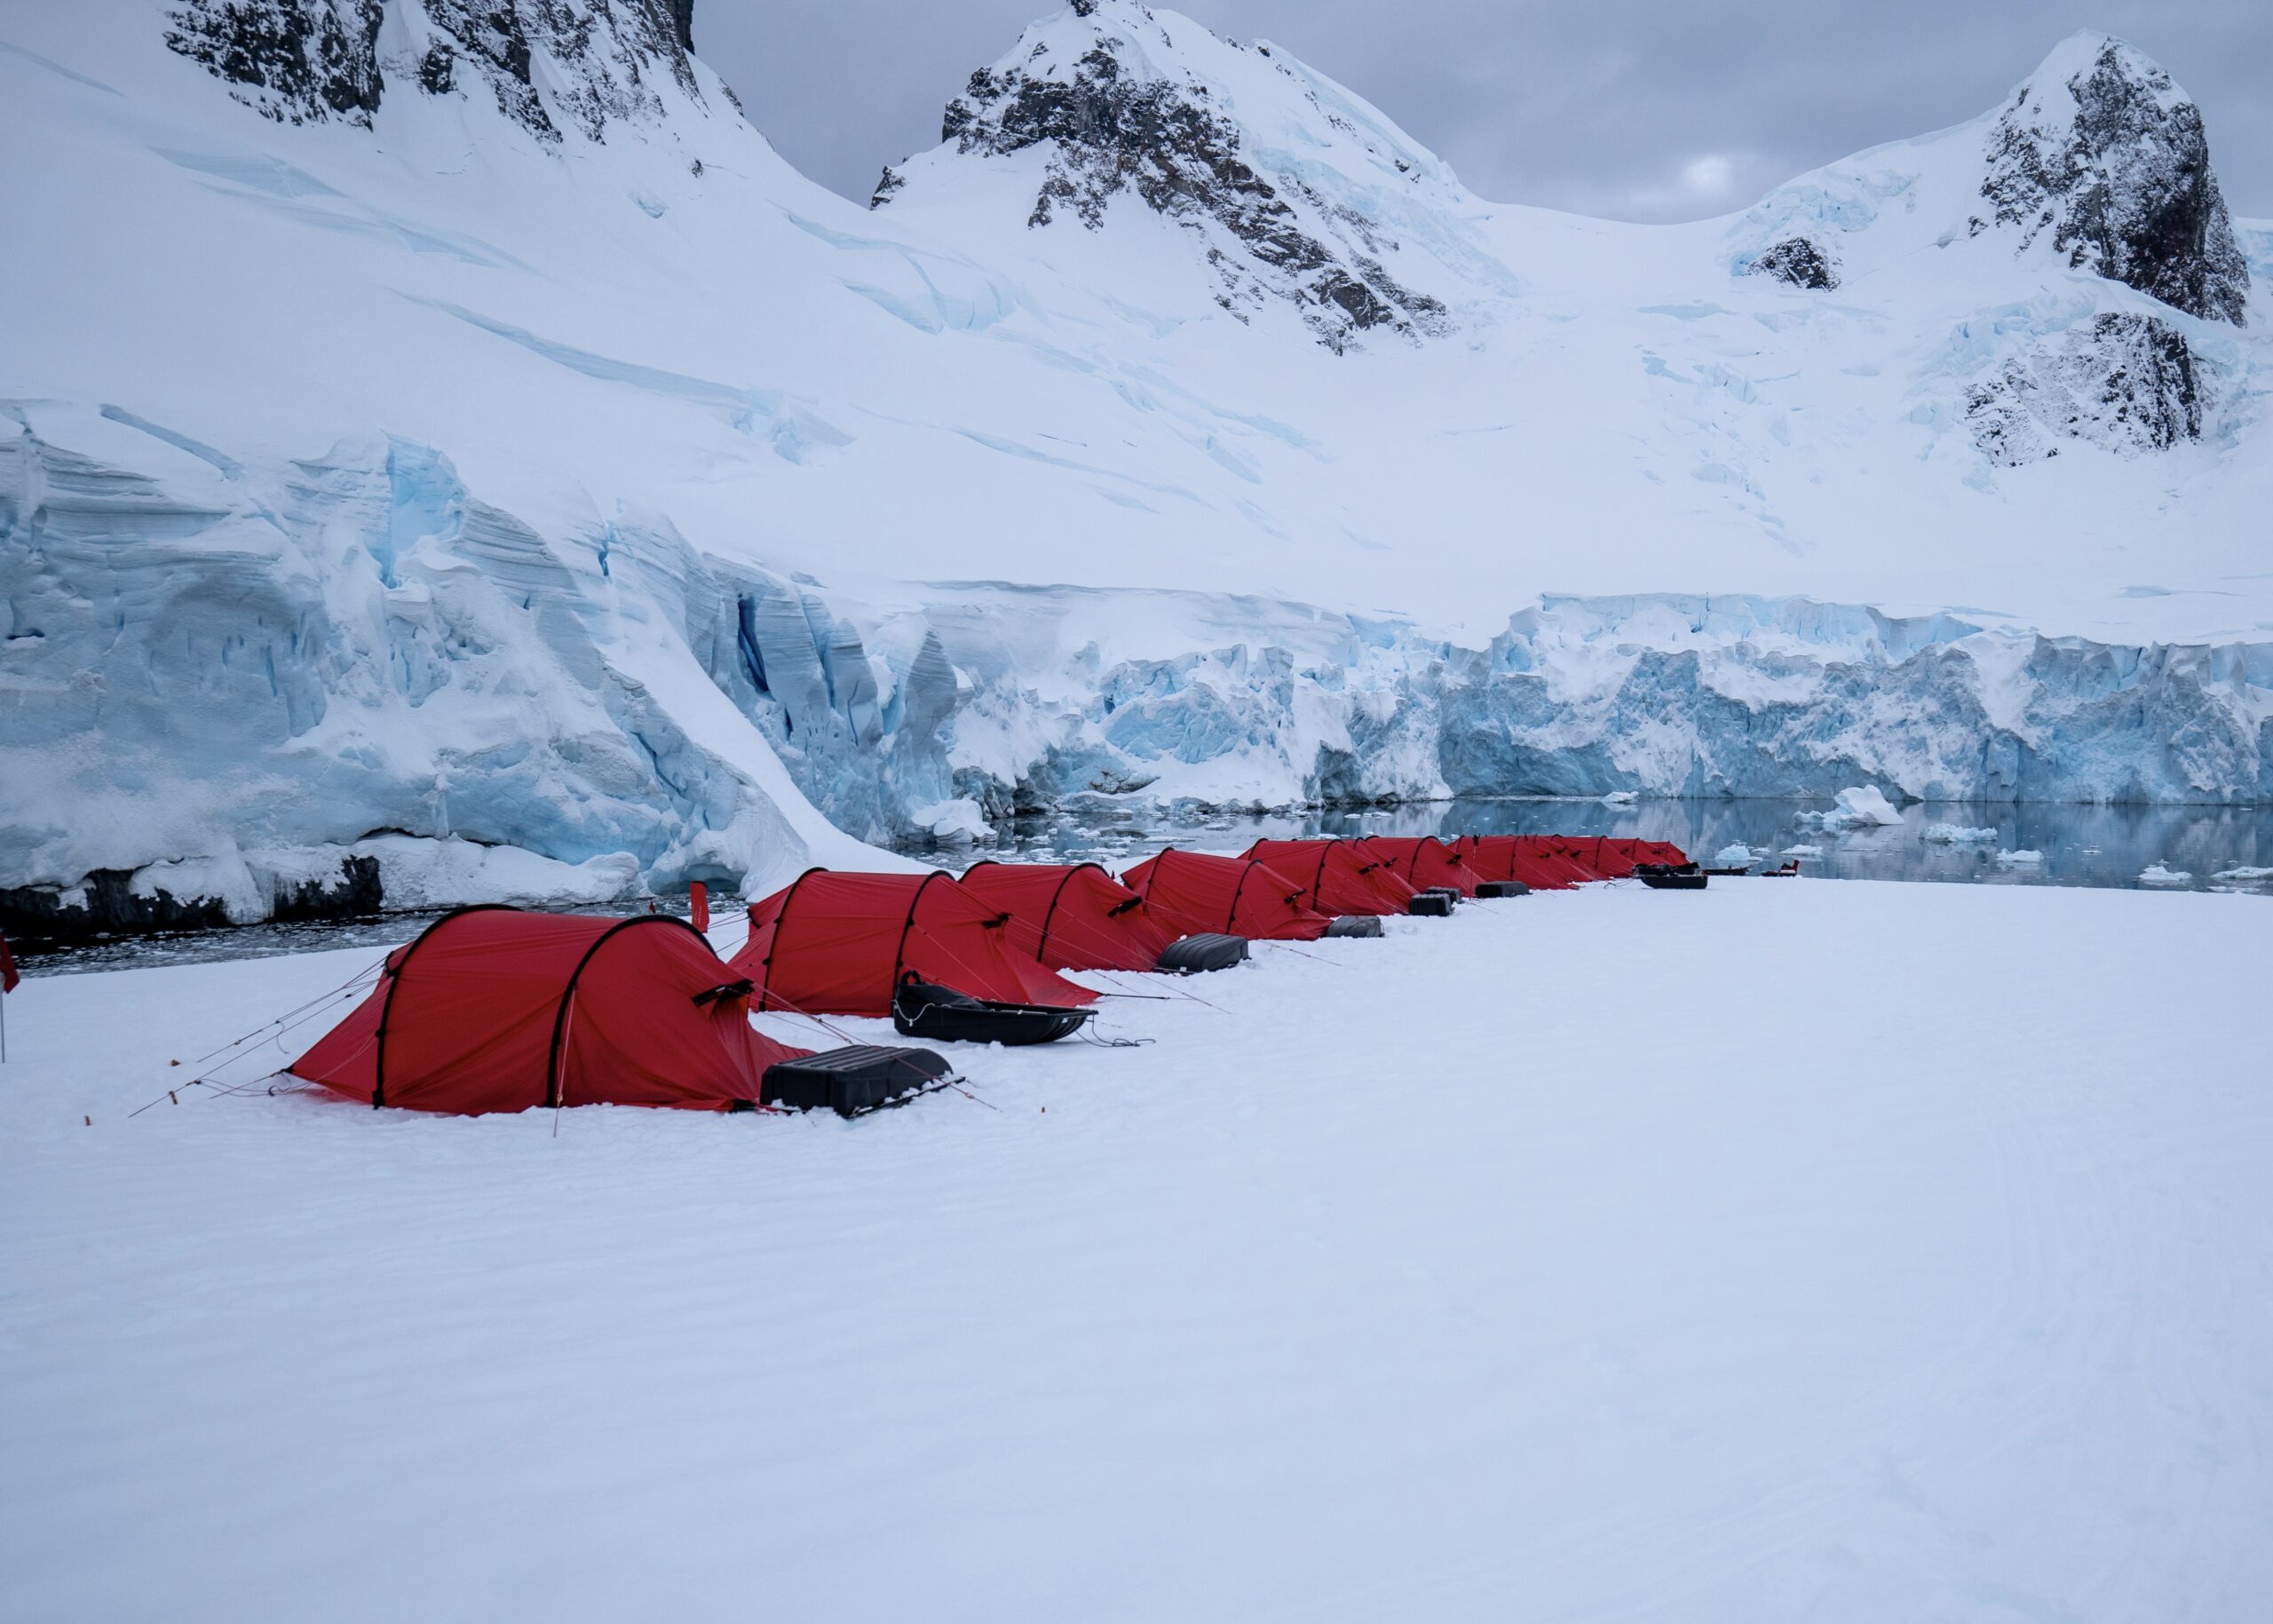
8	980
698	904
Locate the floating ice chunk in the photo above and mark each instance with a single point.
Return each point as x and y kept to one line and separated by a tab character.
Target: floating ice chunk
2156	874
2243	874
956	822
1802	851
1860	806
1733	856
1863	804
2020	857
1618	797
1958	834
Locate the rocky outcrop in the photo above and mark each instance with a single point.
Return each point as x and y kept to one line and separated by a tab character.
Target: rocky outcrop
2104	155
1798	261
297	62
2124	382
1119	119
302	62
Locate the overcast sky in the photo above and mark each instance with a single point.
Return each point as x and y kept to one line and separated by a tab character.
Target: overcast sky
1640	109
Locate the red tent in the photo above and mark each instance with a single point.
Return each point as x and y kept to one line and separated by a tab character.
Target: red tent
836	944
1653	851
1337	876
1560	854
1070	916
1194	893
1423	862
492	1008
1505	857
1613	859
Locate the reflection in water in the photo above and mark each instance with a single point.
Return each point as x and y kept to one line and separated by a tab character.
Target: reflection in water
2080	845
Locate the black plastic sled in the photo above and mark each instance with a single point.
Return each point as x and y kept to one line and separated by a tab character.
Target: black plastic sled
1193	956
1503	888
920	1010
1670	876
1431	905
853	1082
1354	924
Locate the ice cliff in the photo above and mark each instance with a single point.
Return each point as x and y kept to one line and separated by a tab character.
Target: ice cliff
350	667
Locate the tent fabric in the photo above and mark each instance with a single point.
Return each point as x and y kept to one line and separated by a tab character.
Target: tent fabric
1338	876
1556	862
1070	916
492	1008
837	944
1196	893
1505	857
1563	854
1423	862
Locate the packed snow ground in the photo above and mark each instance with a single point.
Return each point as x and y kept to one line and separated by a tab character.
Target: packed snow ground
1849	1251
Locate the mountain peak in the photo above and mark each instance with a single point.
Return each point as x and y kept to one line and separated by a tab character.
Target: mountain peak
1293	186
2103	153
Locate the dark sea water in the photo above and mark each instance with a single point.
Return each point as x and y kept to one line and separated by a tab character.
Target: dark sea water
2077	845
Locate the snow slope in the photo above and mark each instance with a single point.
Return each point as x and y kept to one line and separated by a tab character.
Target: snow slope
1910	1262
464	435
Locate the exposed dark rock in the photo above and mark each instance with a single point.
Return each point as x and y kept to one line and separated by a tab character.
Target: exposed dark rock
2114	164
300	61
104	904
2127	382
1799	262
358	892
297	62
107	904
1166	143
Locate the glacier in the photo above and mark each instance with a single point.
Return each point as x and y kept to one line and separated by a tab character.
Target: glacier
404	670
516	481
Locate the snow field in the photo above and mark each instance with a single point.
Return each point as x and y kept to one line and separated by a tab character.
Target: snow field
1505	1268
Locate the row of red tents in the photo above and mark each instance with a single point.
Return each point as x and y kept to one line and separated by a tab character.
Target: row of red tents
492	1008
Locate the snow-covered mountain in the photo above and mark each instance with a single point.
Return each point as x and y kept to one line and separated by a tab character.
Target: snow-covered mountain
448	450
